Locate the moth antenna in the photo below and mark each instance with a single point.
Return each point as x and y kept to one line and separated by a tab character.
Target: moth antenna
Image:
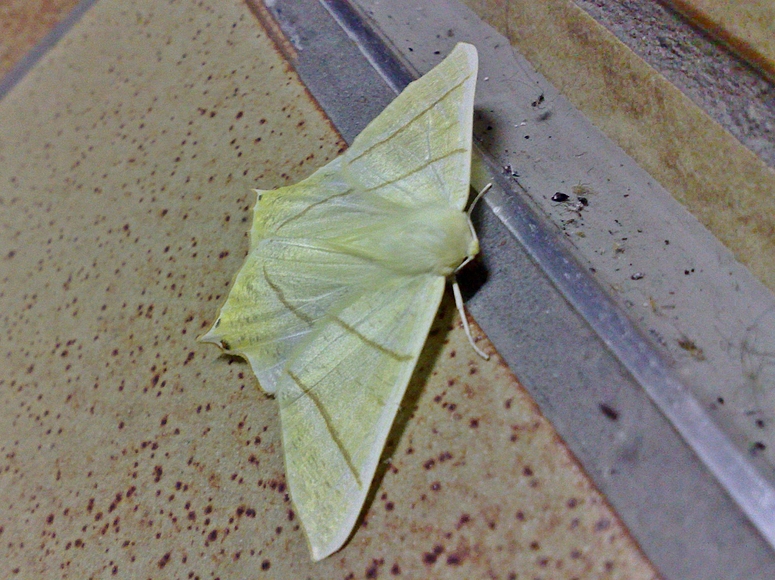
462	309
479	195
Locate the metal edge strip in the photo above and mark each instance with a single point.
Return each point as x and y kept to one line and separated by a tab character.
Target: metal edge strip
752	492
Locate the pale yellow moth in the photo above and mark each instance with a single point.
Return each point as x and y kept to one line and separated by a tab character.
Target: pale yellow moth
344	276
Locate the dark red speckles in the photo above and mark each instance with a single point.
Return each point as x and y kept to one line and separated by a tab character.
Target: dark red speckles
157	473
266	564
395	570
473	423
431	557
115	502
389	506
212	536
435	486
164	559
50	519
373	570
250	512
429	464
464	519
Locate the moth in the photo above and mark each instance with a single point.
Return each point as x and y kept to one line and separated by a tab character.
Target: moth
344	276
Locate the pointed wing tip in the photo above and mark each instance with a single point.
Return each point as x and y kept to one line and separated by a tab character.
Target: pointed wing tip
324	539
211	338
466	46
321	551
470	51
318	554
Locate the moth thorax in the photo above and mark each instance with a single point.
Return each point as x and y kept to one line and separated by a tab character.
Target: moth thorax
432	240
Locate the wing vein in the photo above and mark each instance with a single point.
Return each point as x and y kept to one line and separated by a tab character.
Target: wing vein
417	169
408	122
310	207
284	301
329	425
372	343
429	153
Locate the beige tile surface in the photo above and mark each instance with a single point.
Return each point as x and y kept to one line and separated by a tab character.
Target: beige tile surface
131	451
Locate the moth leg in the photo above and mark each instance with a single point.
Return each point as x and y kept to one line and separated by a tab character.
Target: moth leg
461	308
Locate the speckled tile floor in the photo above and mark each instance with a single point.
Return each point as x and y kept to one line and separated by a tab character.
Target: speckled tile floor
132	451
129	449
